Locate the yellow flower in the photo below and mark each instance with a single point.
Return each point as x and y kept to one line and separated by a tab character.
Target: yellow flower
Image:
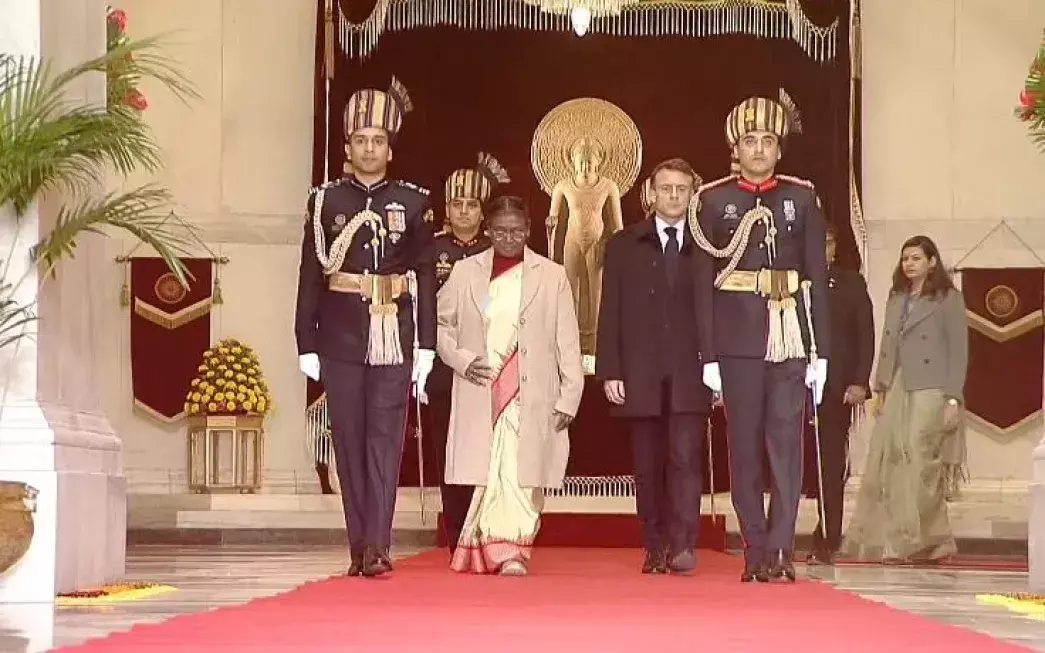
237	367
195	382
219	397
242	388
261	405
201	368
195	396
208	353
223	351
210	375
248	406
231	405
212	407
237	350
229	374
241	397
230	359
241	377
214	361
195	408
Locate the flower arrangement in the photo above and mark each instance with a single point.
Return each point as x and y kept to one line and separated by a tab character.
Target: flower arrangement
1031	109
123	75
229	382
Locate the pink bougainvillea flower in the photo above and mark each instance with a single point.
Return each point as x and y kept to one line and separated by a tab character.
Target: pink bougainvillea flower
118	17
1028	98
136	99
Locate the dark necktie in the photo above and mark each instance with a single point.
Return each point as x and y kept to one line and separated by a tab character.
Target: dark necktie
671	256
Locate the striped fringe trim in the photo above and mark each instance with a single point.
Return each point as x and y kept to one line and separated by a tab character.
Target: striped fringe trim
695	18
318	438
594	486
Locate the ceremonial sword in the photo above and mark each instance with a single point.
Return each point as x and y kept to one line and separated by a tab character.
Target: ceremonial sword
411	278
816	416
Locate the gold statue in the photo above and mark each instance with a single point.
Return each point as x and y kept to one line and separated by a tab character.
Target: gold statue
586	154
590	204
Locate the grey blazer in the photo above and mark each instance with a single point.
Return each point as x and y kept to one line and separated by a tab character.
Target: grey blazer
931	347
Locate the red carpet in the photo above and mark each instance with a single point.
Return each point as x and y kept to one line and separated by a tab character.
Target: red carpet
575	600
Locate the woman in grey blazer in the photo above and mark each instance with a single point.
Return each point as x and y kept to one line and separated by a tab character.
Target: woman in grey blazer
901	509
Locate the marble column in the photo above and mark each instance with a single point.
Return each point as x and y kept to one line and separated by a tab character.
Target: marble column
53	435
1036	521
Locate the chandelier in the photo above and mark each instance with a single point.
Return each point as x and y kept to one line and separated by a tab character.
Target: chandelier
582	11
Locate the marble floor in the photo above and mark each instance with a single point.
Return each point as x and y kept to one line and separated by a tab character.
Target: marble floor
211	577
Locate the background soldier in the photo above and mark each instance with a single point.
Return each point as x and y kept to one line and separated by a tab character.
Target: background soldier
770	230
467	189
365	321
848	386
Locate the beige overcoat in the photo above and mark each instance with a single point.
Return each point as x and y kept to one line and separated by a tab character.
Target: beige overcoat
551	374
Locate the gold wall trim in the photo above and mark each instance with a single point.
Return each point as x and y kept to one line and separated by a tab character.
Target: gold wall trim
1011	331
162	318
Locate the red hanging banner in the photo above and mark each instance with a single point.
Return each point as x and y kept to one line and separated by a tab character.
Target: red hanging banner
1003	386
170	330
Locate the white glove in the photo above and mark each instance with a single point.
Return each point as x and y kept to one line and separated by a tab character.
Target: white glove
816	378
713	377
424	359
309	365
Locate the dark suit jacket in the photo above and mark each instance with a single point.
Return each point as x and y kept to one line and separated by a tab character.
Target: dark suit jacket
852	332
646	333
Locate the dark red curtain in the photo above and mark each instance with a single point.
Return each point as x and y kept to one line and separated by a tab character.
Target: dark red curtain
487	90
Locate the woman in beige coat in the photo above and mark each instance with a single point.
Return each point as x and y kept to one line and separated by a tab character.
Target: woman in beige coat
901	508
508	329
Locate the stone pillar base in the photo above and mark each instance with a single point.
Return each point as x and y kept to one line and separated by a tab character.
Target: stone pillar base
73	460
1036	523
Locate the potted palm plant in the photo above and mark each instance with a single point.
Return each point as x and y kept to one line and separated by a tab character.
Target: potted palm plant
51	145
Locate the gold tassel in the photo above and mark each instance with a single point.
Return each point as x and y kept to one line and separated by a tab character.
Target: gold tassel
216	297
125	289
328	49
384	347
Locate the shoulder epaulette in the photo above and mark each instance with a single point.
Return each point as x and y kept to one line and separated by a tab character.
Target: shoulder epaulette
716	183
443	232
798	181
412	186
316	189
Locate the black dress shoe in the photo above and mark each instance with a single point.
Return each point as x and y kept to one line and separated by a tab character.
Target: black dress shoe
683	563
754	570
654	562
780	566
386	558
373	564
356	568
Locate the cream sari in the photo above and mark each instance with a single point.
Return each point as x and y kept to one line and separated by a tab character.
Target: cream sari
503	517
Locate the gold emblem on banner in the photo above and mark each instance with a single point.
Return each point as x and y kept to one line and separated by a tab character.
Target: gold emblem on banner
169	290
593	118
1001	301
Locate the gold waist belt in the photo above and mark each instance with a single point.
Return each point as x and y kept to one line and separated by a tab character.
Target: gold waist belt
774	284
378	288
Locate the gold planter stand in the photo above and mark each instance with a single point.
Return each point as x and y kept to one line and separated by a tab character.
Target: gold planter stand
226	453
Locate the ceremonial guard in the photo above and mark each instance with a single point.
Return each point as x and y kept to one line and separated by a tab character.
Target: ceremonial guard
365	322
467	189
771	322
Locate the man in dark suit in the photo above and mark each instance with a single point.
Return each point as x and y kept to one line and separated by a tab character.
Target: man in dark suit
365	321
467	189
848	386
655	352
768	231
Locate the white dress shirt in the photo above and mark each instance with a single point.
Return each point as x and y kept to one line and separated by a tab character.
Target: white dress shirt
663	224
